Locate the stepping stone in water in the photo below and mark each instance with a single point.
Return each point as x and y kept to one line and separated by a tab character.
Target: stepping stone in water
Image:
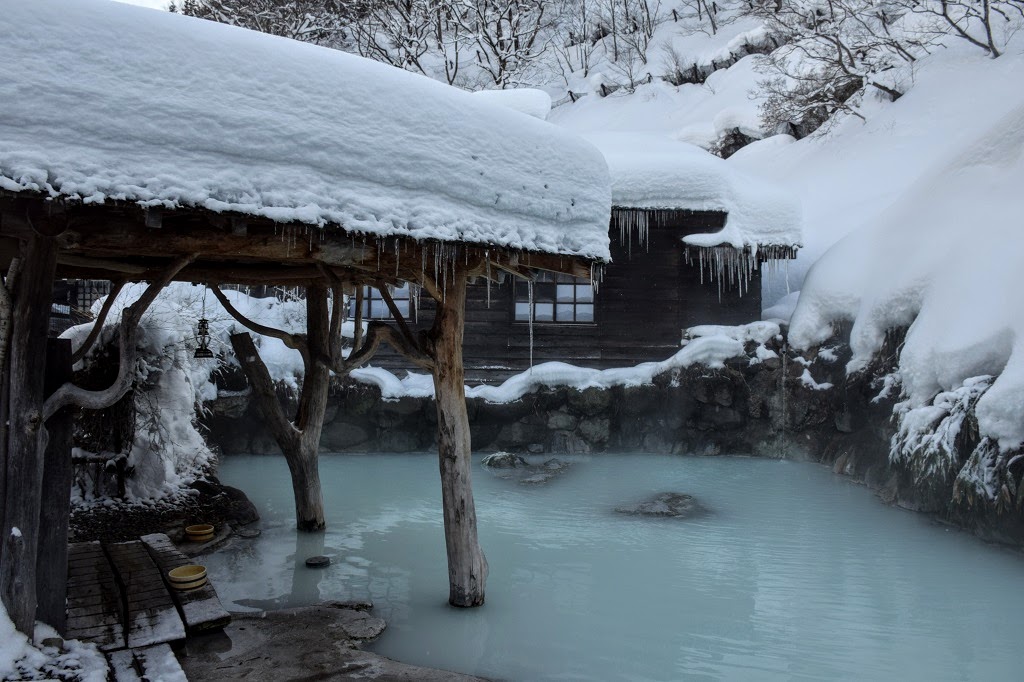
318	561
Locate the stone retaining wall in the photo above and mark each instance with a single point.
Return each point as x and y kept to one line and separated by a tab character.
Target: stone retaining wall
766	408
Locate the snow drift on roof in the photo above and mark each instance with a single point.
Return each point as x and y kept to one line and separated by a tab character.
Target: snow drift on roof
531	101
106	101
654	171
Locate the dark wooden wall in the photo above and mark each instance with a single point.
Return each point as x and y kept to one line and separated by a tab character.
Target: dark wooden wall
648	296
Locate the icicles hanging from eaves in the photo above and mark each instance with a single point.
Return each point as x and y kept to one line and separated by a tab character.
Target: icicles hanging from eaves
732	268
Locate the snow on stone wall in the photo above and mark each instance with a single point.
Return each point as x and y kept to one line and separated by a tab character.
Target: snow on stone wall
104	101
944	260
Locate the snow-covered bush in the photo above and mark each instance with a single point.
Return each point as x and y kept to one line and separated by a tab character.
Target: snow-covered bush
165	449
932	441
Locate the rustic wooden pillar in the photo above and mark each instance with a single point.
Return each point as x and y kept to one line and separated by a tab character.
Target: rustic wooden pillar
26	437
467	567
52	559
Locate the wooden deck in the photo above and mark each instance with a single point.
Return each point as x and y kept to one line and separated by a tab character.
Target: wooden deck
118	599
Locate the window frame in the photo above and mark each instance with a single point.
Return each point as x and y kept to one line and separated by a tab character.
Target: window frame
372	296
552	282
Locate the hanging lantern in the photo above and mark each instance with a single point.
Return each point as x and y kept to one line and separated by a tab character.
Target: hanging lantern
203	339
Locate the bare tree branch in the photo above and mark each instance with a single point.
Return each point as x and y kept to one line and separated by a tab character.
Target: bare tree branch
403	326
381	331
97	326
293	341
71	395
283	430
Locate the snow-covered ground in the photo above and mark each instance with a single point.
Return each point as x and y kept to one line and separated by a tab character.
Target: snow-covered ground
47	656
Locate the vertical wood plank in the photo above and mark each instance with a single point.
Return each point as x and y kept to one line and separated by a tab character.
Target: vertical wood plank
26	436
52	559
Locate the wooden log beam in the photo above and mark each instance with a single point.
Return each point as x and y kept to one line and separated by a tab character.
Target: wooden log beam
115	229
26	437
467	566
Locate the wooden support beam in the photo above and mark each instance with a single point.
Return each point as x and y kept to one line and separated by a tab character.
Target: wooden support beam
467	567
26	437
52	558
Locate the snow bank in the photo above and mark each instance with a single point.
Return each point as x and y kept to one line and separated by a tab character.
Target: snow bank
698	114
709	346
165	110
653	172
21	659
530	101
945	260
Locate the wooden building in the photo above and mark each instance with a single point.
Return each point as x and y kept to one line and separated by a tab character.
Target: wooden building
675	264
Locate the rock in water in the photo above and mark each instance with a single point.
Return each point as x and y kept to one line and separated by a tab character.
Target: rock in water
318	561
504	460
669	505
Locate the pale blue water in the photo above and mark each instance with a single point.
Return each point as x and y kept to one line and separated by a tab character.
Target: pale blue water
798	573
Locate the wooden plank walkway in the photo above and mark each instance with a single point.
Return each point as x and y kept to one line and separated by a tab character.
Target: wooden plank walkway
151	616
95	608
155	663
118	598
200	608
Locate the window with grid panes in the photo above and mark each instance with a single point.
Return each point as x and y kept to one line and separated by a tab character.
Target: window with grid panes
374	307
556	298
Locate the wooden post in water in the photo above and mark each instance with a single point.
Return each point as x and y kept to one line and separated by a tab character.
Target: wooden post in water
52	559
467	567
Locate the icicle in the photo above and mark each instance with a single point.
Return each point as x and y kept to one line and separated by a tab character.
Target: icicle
734	268
487	275
529	296
397	244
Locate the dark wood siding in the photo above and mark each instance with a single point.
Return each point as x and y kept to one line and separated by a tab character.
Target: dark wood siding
648	296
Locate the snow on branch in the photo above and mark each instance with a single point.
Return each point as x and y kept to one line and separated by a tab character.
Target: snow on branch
71	395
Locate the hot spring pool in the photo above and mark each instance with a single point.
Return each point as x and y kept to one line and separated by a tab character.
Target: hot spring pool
795	574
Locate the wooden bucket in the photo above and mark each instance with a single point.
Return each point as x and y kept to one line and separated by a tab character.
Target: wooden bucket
202	532
187	577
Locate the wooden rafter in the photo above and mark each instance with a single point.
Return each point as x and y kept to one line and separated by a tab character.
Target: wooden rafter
113	241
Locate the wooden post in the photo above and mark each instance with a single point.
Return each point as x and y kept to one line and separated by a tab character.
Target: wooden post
52	559
26	437
467	567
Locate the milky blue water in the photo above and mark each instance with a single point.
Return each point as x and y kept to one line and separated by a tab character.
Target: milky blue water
796	573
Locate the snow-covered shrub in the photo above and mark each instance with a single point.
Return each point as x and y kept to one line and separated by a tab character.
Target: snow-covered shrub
165	449
932	441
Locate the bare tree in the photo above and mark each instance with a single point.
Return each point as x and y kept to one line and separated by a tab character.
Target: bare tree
397	32
321	22
980	22
506	35
834	51
321	350
579	31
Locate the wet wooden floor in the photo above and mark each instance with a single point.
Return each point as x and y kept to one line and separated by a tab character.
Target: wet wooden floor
118	599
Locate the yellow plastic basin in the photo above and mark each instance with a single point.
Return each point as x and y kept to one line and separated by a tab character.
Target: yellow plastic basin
200	532
187	577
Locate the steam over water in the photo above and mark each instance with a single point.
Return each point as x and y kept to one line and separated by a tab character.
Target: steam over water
795	574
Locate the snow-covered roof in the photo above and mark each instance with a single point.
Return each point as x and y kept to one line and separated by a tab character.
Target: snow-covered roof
532	101
651	171
104	101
